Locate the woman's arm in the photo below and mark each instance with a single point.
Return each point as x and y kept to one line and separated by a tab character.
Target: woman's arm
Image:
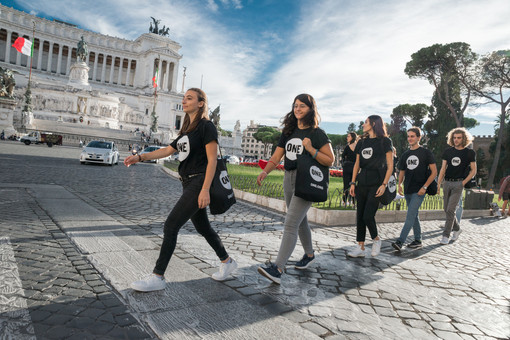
156	154
324	155
389	171
212	157
271	164
355	171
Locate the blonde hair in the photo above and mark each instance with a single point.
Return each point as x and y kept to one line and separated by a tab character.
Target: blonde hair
467	138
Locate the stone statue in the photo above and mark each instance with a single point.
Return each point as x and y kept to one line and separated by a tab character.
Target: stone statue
7	83
237	127
155	28
82	51
164	31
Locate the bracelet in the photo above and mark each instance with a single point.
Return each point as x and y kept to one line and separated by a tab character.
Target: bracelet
385	184
139	158
265	172
316	152
352	183
270	161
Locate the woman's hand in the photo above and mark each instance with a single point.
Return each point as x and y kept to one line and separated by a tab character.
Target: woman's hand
352	190
261	177
307	144
130	160
380	190
203	199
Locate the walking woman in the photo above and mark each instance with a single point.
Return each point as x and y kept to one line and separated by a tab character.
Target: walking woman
348	160
415	164
374	156
197	145
301	133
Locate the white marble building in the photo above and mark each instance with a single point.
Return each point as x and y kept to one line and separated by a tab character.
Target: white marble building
118	93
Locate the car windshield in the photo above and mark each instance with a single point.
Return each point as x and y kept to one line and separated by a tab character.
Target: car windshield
100	145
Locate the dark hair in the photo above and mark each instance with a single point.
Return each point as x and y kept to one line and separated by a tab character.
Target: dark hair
416	130
203	113
354	137
377	125
311	119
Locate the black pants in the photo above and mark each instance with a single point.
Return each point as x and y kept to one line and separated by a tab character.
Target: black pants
366	209
187	208
347	177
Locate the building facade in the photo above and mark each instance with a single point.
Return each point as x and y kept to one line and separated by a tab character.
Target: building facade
118	93
253	149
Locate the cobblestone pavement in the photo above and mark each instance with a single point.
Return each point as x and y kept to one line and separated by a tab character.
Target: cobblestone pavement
458	291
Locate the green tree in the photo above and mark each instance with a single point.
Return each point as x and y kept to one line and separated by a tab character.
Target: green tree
493	84
351	128
337	142
441	65
267	135
414	114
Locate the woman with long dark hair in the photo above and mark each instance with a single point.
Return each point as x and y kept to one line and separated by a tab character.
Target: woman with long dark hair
301	133
197	145
372	170
348	160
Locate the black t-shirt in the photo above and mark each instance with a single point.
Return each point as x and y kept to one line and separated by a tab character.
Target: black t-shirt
293	144
415	164
191	148
348	158
372	160
372	152
457	162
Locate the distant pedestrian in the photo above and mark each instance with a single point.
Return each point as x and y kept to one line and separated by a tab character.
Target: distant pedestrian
504	193
374	156
456	160
197	145
414	165
348	160
301	133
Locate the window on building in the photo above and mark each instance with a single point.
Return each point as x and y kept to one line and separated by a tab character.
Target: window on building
177	122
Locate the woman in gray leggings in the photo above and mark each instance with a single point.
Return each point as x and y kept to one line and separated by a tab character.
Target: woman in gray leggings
301	133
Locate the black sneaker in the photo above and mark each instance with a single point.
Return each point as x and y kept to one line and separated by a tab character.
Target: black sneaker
271	272
397	245
304	262
415	244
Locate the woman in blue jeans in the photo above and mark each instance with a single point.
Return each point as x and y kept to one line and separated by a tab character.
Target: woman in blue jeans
414	165
197	145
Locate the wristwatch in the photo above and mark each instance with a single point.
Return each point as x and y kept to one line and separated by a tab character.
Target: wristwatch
352	183
425	187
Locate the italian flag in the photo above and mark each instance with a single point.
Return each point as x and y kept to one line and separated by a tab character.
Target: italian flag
23	46
155	78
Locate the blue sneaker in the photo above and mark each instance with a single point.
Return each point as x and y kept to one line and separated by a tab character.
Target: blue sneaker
304	262
271	272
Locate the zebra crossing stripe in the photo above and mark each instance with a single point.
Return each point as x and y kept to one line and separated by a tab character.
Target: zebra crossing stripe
15	321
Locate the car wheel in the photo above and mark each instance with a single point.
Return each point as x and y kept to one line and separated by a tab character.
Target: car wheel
27	142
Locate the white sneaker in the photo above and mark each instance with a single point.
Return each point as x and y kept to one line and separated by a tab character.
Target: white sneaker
455	235
225	270
151	283
376	247
444	240
357	252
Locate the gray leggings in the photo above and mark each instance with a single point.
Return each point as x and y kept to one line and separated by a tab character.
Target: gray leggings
295	222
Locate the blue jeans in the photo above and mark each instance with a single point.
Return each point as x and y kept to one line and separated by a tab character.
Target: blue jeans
414	202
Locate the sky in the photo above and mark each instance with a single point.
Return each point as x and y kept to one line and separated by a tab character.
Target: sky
253	57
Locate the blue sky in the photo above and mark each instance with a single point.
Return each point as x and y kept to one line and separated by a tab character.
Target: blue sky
255	56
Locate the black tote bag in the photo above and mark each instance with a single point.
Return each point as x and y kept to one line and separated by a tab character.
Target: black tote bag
391	190
221	192
312	179
432	188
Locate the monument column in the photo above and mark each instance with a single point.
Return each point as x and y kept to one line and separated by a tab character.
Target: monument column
94	70
18	58
168	83
112	70
174	79
8	47
39	55
103	69
69	56
50	56
121	66
128	71
59	58
160	71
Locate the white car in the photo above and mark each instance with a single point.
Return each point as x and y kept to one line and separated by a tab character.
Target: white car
232	160
150	149
102	152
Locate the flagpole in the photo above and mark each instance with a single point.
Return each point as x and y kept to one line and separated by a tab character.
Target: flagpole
31	54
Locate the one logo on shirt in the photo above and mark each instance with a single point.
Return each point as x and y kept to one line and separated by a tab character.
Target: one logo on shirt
293	148
412	162
316	173
225	181
367	153
183	148
392	184
455	161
